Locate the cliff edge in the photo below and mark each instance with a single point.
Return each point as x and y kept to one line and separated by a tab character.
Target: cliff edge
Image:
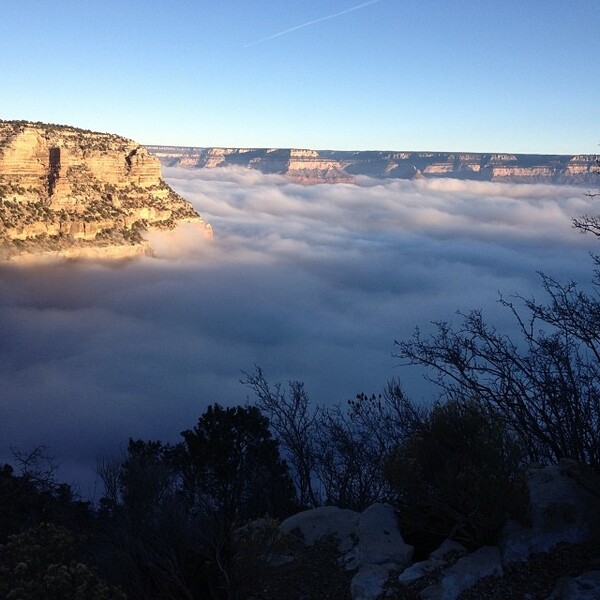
77	193
337	166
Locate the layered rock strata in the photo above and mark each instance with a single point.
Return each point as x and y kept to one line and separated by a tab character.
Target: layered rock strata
77	193
302	166
332	166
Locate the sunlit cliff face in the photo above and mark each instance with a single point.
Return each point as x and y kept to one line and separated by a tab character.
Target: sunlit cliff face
335	166
75	193
311	282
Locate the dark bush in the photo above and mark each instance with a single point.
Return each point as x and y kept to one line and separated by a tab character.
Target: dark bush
44	562
231	465
458	477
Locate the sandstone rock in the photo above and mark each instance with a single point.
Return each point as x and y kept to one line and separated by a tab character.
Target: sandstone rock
367	538
332	166
379	539
465	573
299	165
556	500
448	553
369	582
63	188
325	521
560	509
306	166
584	587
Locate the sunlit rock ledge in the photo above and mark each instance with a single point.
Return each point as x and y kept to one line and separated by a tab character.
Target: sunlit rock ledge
75	193
334	166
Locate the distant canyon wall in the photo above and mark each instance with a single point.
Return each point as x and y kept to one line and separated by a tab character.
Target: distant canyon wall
80	193
333	166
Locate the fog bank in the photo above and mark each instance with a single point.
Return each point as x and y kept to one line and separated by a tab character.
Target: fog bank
312	283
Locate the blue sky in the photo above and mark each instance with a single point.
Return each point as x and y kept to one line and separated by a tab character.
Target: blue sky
452	75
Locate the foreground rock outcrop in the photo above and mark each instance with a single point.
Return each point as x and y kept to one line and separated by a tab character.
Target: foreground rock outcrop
554	555
334	166
369	542
78	193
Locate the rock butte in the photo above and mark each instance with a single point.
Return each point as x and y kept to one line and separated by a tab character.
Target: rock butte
75	193
333	166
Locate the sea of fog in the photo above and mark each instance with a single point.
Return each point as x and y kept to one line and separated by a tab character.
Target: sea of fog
312	283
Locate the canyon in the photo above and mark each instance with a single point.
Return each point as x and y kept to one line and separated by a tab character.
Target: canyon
75	193
336	166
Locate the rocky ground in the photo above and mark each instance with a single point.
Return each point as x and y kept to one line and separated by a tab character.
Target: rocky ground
317	575
536	578
314	574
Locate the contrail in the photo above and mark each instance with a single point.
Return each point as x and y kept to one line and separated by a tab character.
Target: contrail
319	20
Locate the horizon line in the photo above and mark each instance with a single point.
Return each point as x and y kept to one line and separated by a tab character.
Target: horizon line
250	148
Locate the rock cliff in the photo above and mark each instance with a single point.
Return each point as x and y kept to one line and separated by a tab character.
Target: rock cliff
303	166
332	166
76	193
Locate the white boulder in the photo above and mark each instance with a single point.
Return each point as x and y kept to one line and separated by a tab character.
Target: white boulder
379	540
559	511
369	581
438	559
465	573
369	541
325	521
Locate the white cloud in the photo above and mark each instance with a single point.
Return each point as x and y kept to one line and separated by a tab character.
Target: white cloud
312	283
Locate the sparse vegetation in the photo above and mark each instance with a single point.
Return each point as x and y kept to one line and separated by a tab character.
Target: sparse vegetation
43	562
546	386
197	518
89	209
